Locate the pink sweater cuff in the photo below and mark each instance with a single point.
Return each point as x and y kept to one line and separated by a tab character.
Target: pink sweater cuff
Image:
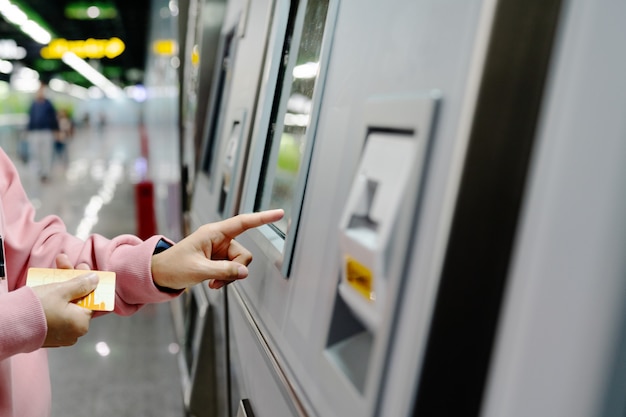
23	328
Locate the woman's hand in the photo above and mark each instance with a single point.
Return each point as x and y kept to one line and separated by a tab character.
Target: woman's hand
66	321
210	253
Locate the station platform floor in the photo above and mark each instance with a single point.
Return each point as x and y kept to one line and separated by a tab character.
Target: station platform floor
124	366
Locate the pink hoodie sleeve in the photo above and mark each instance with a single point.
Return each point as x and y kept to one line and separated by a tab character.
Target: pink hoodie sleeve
35	244
23	327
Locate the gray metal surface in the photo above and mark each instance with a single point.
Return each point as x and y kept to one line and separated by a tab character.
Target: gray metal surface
560	350
379	51
296	345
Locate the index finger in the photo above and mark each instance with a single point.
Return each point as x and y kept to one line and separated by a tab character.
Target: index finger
238	224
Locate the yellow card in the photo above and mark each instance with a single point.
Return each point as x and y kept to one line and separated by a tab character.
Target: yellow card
101	299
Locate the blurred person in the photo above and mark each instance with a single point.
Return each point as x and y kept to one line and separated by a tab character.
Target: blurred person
85	120
149	271
65	133
102	122
42	128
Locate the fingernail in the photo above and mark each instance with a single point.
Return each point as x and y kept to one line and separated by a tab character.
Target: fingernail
92	278
242	272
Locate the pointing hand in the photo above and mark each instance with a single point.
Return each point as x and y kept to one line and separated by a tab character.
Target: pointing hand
210	253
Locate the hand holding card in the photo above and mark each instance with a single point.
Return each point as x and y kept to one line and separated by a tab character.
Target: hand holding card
101	299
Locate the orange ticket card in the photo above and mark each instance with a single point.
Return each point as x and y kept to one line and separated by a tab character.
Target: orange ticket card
101	299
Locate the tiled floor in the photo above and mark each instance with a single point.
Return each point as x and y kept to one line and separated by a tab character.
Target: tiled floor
124	366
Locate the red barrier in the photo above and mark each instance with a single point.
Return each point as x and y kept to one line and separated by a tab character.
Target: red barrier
143	141
144	208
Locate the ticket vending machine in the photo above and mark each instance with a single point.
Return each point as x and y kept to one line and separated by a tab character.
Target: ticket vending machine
382	197
374	235
364	154
444	167
234	83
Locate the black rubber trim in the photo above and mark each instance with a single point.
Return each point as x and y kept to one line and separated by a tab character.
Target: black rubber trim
485	219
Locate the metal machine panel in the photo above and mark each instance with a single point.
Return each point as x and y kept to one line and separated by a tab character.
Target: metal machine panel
561	342
232	110
258	380
416	53
374	243
338	318
193	320
284	130
199	41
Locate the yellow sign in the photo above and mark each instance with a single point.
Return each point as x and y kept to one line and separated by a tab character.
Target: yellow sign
195	56
360	278
166	47
90	48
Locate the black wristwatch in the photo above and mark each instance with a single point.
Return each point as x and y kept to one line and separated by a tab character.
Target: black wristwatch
161	246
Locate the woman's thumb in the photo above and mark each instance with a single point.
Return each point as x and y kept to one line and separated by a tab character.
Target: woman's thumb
80	286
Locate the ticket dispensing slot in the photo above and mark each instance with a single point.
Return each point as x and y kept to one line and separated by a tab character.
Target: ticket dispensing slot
230	166
369	218
375	233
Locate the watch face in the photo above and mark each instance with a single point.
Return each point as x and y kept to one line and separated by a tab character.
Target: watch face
2	269
161	246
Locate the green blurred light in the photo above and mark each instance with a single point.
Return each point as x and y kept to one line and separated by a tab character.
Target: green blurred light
112	72
46	65
80	11
75	78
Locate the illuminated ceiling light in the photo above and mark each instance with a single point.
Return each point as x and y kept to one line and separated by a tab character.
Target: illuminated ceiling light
173	348
103	349
14	14
137	92
28	73
28	23
78	92
27	86
57	85
82	10
18	17
299	103
5	91
308	70
10	50
62	86
93	12
36	32
6	67
300	120
96	78
95	93
25	79
173	6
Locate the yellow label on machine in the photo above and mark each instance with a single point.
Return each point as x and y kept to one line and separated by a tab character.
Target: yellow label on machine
360	278
101	299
